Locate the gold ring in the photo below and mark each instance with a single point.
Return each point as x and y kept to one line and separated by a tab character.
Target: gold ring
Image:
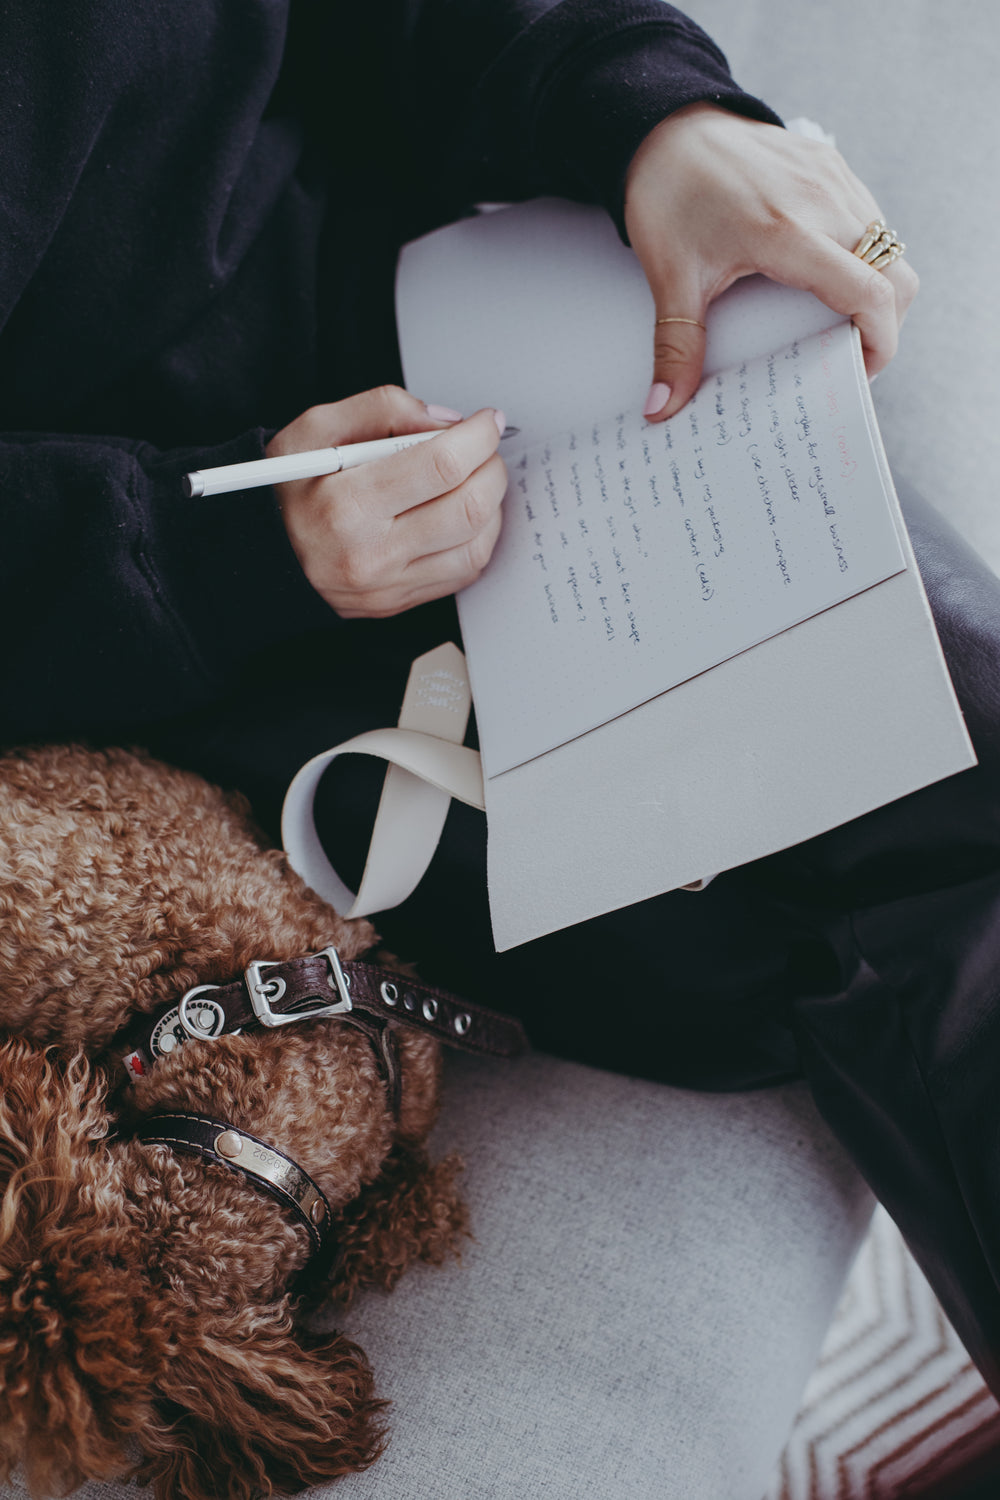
878	247
683	320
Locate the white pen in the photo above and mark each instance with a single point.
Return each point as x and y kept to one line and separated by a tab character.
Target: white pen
309	465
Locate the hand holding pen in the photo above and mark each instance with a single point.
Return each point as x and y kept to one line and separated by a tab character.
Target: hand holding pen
418	524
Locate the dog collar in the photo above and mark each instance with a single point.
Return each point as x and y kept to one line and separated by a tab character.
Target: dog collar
218	1141
367	996
275	993
279	992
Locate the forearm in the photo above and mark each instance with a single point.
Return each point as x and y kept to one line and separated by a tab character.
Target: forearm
529	97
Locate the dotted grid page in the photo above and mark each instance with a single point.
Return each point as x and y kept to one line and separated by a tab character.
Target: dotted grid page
634	557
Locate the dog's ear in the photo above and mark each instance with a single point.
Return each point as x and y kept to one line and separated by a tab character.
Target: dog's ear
251	1406
412	1211
70	1341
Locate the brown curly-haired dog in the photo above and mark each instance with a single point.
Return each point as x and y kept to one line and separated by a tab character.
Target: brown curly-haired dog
145	1302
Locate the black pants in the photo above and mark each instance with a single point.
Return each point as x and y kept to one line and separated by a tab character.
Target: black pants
867	960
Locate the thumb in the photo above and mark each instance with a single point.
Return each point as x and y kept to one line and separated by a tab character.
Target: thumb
678	356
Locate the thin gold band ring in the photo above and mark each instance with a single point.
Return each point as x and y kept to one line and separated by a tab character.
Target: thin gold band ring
683	320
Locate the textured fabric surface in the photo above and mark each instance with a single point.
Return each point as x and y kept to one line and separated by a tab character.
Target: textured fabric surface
609	1332
895	1406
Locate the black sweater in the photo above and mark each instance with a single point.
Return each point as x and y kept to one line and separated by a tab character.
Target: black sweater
183	236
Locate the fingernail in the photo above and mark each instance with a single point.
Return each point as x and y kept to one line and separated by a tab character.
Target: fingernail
501	421
659	395
442	413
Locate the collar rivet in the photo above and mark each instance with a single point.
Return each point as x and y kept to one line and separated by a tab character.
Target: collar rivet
229	1144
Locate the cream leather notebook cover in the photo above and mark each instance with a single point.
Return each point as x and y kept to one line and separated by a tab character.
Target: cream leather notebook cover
696	643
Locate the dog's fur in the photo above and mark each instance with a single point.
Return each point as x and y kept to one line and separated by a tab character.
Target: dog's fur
146	1321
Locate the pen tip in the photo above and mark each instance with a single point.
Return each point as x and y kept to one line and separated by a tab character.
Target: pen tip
510	432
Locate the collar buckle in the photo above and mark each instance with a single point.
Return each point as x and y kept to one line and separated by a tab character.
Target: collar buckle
262	991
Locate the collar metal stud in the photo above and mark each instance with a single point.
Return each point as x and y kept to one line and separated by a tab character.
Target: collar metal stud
229	1144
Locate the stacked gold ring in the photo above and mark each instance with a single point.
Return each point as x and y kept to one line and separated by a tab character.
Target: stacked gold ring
878	247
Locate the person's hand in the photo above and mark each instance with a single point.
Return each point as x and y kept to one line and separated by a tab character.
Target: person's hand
382	538
711	196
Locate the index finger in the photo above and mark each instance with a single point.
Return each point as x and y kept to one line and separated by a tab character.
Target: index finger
390	486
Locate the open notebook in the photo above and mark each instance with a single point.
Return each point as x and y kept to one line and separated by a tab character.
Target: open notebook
699	642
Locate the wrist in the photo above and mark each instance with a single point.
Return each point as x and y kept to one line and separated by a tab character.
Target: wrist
660	143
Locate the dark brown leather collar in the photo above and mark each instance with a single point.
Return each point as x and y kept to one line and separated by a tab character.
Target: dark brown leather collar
250	1157
277	993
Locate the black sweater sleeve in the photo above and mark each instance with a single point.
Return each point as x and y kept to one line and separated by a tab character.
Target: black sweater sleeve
125	600
160	225
556	98
148	206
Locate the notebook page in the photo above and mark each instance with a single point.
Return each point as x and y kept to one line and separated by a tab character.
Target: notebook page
635	556
539	309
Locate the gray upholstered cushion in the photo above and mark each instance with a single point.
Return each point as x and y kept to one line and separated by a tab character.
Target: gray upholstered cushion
651	1279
